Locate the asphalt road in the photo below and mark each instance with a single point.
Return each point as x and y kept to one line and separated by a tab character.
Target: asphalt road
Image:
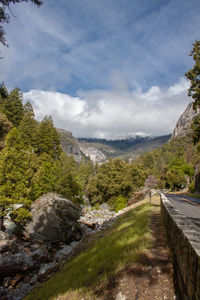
188	206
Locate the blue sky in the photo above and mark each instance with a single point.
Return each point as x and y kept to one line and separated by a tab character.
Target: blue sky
86	61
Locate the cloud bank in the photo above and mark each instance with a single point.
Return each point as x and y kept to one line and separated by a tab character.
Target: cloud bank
114	114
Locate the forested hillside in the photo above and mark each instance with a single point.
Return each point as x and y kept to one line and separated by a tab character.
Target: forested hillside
32	161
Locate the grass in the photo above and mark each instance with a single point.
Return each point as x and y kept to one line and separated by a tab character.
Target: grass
103	258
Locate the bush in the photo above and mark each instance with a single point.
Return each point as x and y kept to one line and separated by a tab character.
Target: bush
120	203
191	187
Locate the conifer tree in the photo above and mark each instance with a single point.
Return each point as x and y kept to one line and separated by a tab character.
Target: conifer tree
12	106
194	75
28	126
48	139
67	183
44	179
16	172
5	126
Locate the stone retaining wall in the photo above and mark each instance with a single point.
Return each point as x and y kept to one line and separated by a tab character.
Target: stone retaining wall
184	241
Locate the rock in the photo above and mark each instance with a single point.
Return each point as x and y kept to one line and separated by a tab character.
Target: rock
12	264
86	201
34	280
54	219
96	155
2	291
15	280
46	269
120	296
38	254
3	235
20	293
8	245
85	230
183	125
66	250
74	244
69	144
104	206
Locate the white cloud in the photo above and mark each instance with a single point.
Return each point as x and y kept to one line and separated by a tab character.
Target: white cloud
113	114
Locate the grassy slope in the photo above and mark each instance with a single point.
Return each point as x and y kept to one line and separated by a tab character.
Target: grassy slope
104	257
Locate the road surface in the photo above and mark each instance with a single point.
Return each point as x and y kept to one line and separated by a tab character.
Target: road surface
188	206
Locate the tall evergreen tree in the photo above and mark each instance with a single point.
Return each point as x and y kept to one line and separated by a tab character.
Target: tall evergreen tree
48	139
67	183
194	75
12	106
5	126
45	177
28	126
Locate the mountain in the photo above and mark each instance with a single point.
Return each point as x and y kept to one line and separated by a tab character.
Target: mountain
99	150
69	144
183	125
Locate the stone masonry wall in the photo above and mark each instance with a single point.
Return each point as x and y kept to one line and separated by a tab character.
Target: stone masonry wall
184	241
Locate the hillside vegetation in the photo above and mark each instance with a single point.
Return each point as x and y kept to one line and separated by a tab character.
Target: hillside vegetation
122	243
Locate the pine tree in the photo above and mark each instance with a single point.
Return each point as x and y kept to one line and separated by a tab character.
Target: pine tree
16	172
48	139
67	183
45	177
28	127
194	75
12	106
5	126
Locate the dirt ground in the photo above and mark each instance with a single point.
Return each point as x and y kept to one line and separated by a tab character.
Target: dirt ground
150	278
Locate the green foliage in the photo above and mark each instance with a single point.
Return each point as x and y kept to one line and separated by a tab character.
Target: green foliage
44	179
191	187
196	129
194	75
120	203
48	139
67	183
85	171
110	181
176	173
16	169
28	127
5	126
12	106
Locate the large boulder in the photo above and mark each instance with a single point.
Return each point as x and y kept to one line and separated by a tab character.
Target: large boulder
54	219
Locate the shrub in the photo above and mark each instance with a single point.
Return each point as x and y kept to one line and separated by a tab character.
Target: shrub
191	187
120	203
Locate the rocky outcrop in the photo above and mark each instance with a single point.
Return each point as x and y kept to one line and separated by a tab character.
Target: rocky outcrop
54	219
69	144
96	155
26	263
183	125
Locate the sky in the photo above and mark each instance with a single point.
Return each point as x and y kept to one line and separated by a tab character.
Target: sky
103	68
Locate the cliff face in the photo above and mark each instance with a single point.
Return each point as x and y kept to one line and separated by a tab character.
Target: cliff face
183	125
96	155
69	144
